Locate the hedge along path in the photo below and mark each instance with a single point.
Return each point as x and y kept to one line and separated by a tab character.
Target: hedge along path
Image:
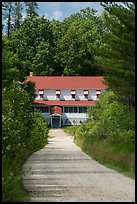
61	172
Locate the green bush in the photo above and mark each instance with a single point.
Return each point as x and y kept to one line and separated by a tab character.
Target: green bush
39	133
109	134
111	119
7	187
15	119
23	132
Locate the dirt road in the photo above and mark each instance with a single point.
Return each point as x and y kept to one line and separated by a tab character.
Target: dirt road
61	172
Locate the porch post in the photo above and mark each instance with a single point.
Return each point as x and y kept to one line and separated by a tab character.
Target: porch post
60	121
51	120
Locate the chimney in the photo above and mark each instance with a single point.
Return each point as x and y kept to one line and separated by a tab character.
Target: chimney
31	73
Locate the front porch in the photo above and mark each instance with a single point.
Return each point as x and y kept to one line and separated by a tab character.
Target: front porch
56	112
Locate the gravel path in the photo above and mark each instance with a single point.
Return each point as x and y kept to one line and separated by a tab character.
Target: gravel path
61	172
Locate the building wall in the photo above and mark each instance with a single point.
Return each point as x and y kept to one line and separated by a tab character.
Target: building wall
67	118
66	95
92	95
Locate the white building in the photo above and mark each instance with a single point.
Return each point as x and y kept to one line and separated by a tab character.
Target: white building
63	100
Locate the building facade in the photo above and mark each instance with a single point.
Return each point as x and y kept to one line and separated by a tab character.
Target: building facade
63	100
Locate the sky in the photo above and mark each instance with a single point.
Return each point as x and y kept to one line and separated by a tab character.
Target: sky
61	10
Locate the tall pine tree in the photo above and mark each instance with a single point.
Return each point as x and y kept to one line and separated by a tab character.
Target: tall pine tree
17	15
117	50
7	8
31	9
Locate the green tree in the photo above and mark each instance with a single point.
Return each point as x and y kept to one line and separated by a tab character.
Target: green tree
116	53
7	8
43	61
23	132
58	30
31	9
111	119
15	119
17	15
29	87
76	47
10	62
27	44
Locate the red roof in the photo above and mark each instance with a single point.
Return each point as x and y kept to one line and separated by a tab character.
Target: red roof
67	82
65	103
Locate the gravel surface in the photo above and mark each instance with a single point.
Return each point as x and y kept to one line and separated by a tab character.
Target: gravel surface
61	172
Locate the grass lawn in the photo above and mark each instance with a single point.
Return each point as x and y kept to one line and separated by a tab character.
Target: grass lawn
118	156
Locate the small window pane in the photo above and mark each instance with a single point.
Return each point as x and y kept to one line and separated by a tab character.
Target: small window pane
73	96
70	110
82	109
66	110
75	109
42	109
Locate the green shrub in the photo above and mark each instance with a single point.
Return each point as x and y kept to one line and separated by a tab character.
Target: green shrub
109	134
23	132
39	133
111	119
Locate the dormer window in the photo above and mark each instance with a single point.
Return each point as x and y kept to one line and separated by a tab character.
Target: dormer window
97	93
86	94
73	93
58	94
41	93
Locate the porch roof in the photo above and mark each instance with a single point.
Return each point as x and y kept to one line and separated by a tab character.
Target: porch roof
65	103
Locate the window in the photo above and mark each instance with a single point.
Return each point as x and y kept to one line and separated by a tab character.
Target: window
82	109
66	109
57	94
70	109
42	109
41	93
75	109
86	94
41	96
73	93
97	93
58	97
46	109
73	96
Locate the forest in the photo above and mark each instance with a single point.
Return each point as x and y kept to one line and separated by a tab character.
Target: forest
84	44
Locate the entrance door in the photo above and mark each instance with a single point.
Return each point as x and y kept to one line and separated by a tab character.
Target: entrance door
56	121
